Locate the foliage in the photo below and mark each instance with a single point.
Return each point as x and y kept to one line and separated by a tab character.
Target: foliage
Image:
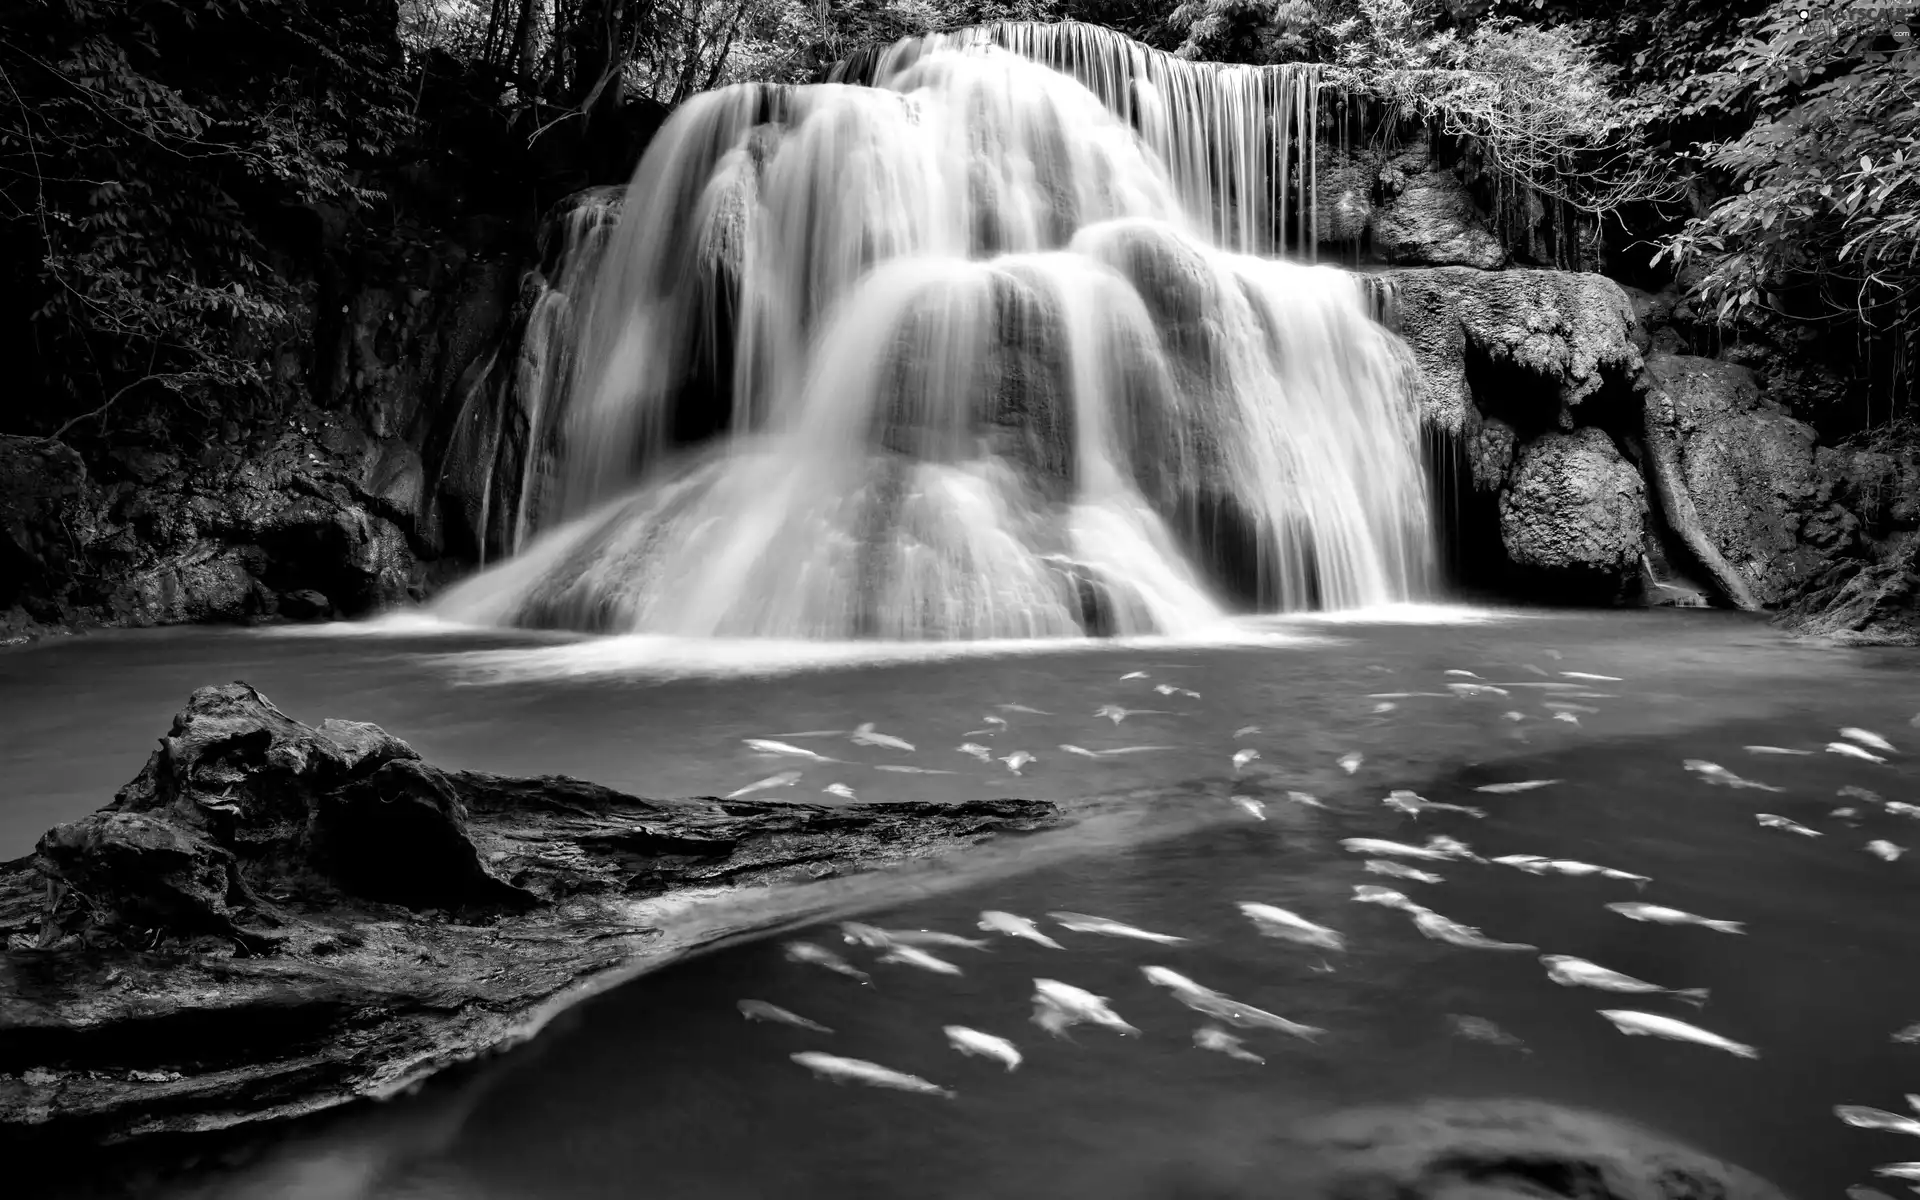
135	138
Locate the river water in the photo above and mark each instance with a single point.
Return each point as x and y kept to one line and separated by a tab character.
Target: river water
658	1088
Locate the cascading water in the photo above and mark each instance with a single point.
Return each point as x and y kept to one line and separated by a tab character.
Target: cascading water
984	360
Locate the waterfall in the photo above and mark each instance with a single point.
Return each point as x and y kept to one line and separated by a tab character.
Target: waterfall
982	339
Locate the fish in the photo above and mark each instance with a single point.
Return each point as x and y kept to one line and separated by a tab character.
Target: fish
857	1070
1016	760
1167	689
1052	1018
1568	971
1776	821
853	933
1021	708
1306	798
1845	814
1849	750
1569	706
1381	866
1242	1015
1082	923
1479	1029
1568	717
975	750
1408	695
1591	678
1866	737
1883	849
1117	714
913	956
807	952
1082	751
1442	929
1245	731
1861	1117
1900	808
1638	881
1134	675
994	921
1462	674
1368	893
1513	716
1635	911
1641	1024
1278	922
1853	792
903	769
1242	757
760	1010
1774	750
1257	809
932	937
975	1044
1132	750
1452	848
1464	690
783	779
1910	1036
1719	776
841	790
1079	1006
1909	1171
1521	861
1212	1037
768	746
1170	979
864	735
1385	706
1376	846
1350	762
1413	804
1524	785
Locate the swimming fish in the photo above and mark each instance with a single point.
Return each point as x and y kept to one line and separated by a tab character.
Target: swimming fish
1170	979
1640	1024
1525	785
1719	776
1479	1029
1568	717
1245	731
1082	923
1845	814
854	933
864	735
995	921
1659	915
1910	1036
1117	714
1380	866
1452	848
913	956
931	937
1569	706
1572	868
1866	737
904	769
1882	849
1240	1014
1350	762
1132	750
1774	750
1776	821
1385	706
1278	922
1859	793
1016	760
783	779
1242	757
1377	846
1862	1117
1167	689
974	1044
1464	690
1514	716
1441	929
1212	1037
760	1010
1849	750
1537	670
1900	808
1306	798
1591	678
841	790
1909	1171
1413	804
767	746
1257	809
1461	673
857	1070
975	750
1368	893
1082	751
807	952
1133	675
1078	1006
1021	708
1568	971
995	725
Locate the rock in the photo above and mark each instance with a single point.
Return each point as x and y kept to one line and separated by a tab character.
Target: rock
274	918
1492	450
1501	1149
1750	473
1575	507
1572	332
1858	601
1434	222
305	605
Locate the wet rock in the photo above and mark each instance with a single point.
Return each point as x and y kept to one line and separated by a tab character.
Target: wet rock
1863	601
1571	332
1433	221
1574	506
274	918
1504	1149
1492	449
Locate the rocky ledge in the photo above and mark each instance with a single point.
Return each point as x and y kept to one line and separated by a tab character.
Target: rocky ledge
274	918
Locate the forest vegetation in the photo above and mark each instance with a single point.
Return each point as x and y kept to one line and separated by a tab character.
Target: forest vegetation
166	164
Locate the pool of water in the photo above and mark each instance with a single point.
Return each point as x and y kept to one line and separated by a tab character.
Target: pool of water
659	1088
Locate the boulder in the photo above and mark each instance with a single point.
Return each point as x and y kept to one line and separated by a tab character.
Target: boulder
1434	222
1574	507
1863	601
1572	332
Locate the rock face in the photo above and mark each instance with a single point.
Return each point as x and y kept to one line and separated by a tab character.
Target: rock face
1432	221
273	918
1863	601
1574	506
